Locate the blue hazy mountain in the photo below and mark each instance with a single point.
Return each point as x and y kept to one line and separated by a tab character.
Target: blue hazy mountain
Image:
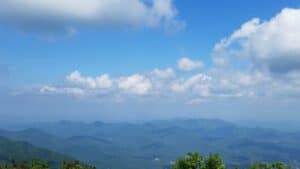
154	144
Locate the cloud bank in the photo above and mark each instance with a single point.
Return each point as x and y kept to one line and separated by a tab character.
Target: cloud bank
66	16
259	60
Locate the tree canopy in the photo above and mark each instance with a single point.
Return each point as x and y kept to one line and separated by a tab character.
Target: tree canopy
192	160
195	160
39	164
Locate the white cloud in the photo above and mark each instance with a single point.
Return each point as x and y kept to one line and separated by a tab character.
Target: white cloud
54	90
163	73
198	83
273	45
223	84
48	89
135	84
186	64
213	84
161	80
48	16
100	82
254	55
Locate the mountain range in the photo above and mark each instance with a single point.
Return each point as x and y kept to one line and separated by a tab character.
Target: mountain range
155	144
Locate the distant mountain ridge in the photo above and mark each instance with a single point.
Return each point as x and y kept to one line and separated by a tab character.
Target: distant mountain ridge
154	144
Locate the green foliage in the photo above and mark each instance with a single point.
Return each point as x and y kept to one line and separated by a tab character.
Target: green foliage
214	161
275	165
75	165
38	164
191	161
34	164
197	161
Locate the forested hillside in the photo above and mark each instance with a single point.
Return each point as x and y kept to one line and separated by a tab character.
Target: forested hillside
22	151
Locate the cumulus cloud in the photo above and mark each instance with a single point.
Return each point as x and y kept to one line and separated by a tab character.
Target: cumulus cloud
219	83
135	84
273	45
259	60
186	64
163	73
65	16
100	82
197	83
209	85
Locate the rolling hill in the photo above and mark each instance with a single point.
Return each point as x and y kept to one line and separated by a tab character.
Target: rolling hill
23	151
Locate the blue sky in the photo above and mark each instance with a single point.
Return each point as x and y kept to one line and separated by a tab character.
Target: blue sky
52	52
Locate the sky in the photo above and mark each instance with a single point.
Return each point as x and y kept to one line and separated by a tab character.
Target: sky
135	60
